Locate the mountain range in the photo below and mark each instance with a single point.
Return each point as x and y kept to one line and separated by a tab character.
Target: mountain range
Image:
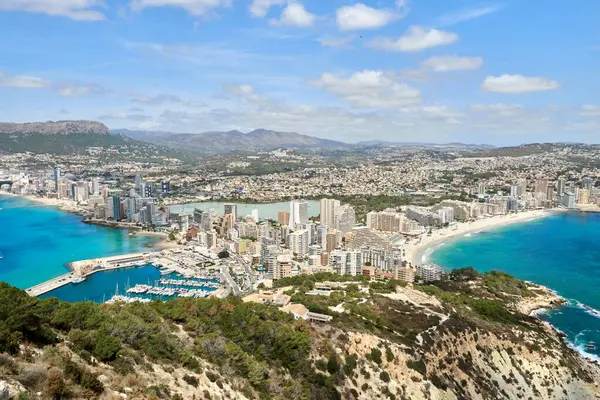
223	142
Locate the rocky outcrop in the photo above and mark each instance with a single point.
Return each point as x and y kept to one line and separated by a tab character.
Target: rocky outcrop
55	128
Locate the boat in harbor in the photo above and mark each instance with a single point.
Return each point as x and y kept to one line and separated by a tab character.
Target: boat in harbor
166	271
79	279
1	256
590	346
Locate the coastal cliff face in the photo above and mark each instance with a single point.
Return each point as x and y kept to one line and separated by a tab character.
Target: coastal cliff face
54	128
462	338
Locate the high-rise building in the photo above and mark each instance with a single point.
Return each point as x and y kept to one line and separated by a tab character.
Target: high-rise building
255	215
230	208
299	242
116	206
139	185
481	188
328	207
523	187
56	178
147	192
561	186
95	186
344	218
584	196
298	213
550	193
331	242
541	185
587	183
283	266
322	236
429	272
567	199
283	218
514	191
165	187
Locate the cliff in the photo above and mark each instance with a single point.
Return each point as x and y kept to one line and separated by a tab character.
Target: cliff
462	338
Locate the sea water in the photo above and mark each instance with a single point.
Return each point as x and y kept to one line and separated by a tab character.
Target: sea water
37	243
561	251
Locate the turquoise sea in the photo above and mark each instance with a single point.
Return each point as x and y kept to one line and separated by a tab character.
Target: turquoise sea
561	251
37	242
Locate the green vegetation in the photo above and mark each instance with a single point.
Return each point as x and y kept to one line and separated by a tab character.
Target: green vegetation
253	341
320	277
75	143
223	254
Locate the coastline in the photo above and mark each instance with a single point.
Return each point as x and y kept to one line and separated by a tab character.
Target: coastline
415	251
66	205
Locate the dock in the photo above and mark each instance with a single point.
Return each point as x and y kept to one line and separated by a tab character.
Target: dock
50	285
85	268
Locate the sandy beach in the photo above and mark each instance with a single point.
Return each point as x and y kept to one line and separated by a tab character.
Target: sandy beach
415	250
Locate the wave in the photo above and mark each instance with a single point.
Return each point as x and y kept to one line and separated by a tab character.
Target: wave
589	310
579	348
468	234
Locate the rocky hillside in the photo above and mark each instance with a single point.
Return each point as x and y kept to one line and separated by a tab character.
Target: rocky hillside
463	338
54	128
223	142
90	138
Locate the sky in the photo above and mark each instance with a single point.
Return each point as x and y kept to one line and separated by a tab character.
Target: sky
502	73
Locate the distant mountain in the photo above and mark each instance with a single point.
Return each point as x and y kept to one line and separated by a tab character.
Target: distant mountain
223	142
54	128
79	137
426	145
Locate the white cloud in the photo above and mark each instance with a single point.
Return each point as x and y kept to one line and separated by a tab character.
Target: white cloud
589	110
194	7
240	90
337	42
80	10
370	89
515	84
360	16
76	90
295	15
153	100
23	81
125	116
452	63
415	39
260	8
466	15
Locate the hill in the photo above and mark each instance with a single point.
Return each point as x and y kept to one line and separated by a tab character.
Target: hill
81	137
466	337
223	142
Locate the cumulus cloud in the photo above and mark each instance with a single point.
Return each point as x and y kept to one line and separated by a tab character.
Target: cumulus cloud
415	39
369	89
23	81
194	7
80	10
295	15
452	63
361	16
260	8
516	84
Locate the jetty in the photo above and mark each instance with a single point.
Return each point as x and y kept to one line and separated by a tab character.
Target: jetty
84	268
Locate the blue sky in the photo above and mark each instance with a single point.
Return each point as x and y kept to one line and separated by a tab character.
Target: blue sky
504	72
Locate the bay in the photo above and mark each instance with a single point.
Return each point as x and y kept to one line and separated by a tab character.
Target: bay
560	251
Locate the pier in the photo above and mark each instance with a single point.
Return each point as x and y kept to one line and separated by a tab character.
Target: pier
52	284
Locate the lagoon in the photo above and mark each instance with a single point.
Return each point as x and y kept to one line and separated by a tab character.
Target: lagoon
267	210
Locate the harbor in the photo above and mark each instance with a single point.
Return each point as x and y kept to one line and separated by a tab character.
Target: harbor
155	275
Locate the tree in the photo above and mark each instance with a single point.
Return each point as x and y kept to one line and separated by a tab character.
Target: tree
223	254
